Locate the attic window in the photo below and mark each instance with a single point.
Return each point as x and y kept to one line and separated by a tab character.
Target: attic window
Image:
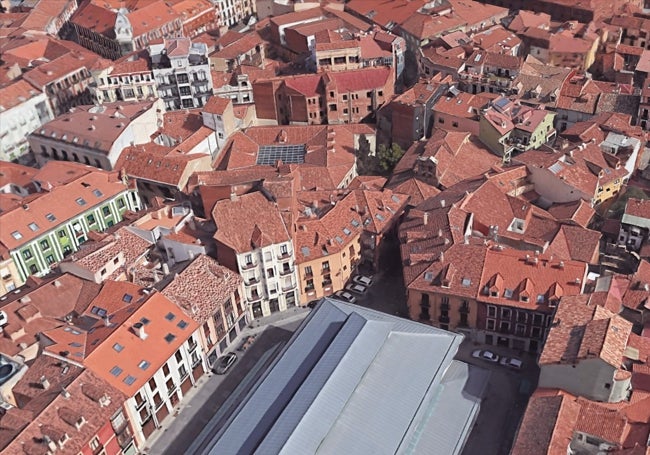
428	276
355	223
379	216
116	371
366	222
145	321
339	239
346	231
182	324
395	199
129	380
508	293
33	226
97	193
170	337
143	365
118	347
127	298
80	201
466	282
17	235
50	217
170	316
540	298
99	311
305	251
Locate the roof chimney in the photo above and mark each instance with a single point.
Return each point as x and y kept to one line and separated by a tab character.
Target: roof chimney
44	383
425	218
138	328
442	203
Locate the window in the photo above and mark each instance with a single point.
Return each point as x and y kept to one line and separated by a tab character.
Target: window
182	78
326	265
185	91
16	235
490	324
97	193
165	370
308	271
170	337
50	259
33	226
27	254
118	347
170	316
120	203
283	249
538	319
45	245
182	324
50	217
188	103
129	380
506	313
106	211
504	326
248	259
91	219
80	201
143	365
270	272
33	268
492	311
536	332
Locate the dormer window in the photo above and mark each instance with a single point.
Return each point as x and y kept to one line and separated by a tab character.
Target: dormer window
523	298
63	439
508	293
540	298
494	294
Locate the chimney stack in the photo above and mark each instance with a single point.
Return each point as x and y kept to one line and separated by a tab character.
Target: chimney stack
442	203
138	328
425	218
44	383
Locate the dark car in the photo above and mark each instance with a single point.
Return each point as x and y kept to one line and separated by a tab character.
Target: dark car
224	363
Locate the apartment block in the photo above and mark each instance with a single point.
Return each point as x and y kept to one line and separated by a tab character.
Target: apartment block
252	239
232	12
52	223
96	134
182	73
23	110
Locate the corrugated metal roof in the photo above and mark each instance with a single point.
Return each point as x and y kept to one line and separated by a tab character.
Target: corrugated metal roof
355	380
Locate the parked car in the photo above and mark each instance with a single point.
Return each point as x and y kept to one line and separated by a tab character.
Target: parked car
345	296
356	287
512	362
363	280
485	355
224	363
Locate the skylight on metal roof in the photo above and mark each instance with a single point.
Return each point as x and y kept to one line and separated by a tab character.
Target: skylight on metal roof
270	154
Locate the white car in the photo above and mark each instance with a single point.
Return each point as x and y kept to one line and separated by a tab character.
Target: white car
357	288
485	355
511	362
345	296
363	280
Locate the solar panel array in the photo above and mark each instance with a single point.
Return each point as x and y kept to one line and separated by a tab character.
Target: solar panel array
290	154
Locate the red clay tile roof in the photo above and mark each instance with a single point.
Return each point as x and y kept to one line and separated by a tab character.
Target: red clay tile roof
95	18
63	412
94	188
202	288
251	221
151	16
639	208
547	426
165	334
416	189
582	331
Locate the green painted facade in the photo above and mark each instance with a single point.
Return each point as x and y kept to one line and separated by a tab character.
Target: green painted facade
38	255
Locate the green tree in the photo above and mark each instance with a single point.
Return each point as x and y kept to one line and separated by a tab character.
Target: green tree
389	156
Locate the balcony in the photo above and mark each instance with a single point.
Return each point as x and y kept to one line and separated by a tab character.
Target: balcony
288	287
255	297
252	281
286	271
249	265
286	255
199	82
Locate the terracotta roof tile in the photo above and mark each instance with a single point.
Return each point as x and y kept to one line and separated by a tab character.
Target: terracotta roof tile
245	216
547	426
202	287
